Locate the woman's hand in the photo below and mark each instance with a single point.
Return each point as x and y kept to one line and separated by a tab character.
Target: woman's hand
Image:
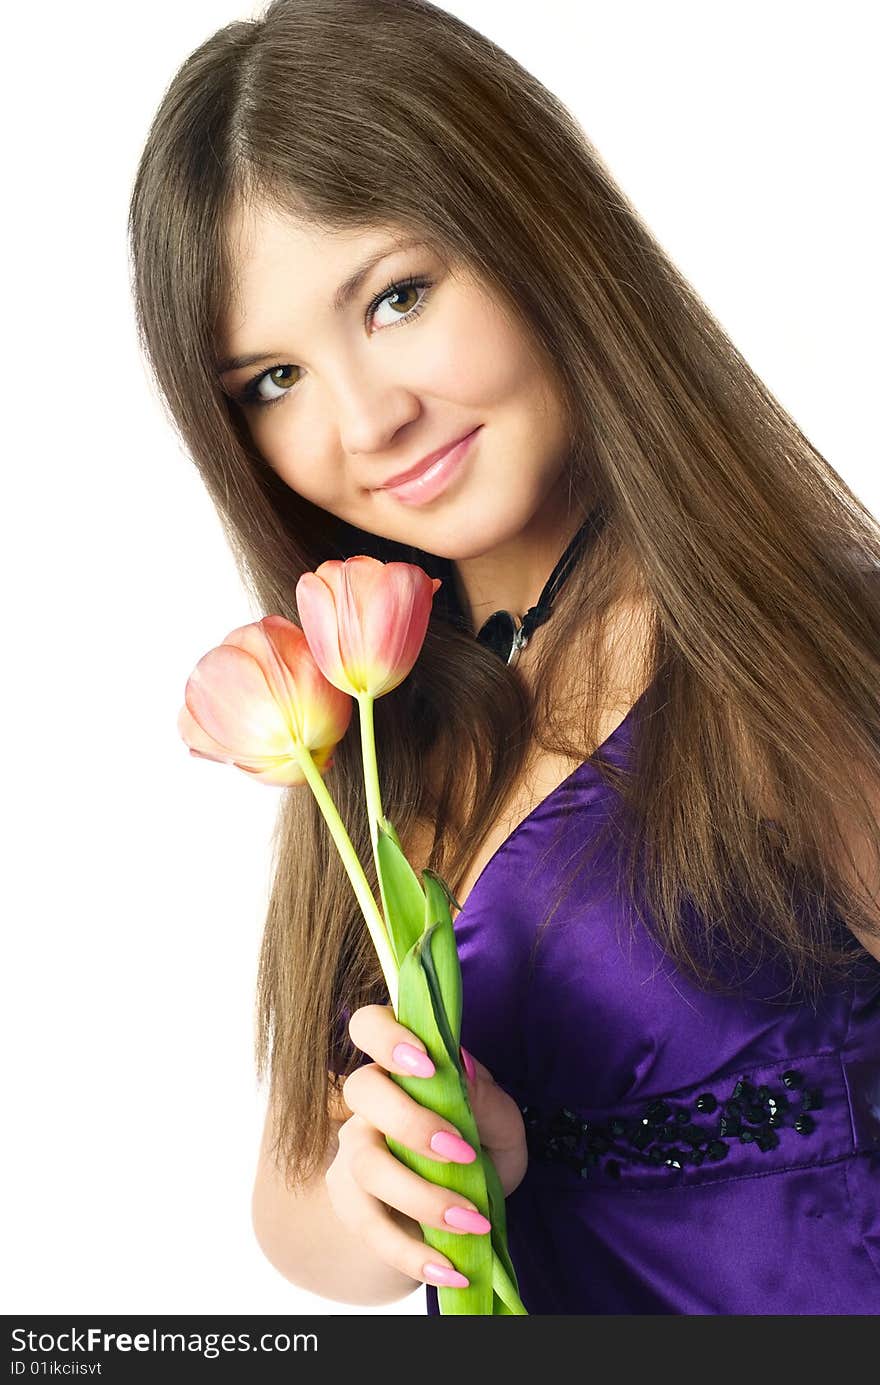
376	1195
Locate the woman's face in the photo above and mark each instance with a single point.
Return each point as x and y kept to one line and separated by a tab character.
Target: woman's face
365	390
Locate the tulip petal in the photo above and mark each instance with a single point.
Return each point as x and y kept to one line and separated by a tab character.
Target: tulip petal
268	769
316	603
282	774
360	590
198	740
228	695
365	620
255	640
322	710
259	700
396	621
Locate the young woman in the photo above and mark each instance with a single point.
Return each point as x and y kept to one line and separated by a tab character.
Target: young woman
660	816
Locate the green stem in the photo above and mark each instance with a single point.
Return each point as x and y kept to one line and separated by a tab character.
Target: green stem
371	770
360	884
374	793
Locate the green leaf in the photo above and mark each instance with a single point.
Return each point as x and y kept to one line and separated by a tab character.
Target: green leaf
507	1299
429	978
402	896
443	975
442	1093
386	825
441	963
498	1217
445	888
443	1022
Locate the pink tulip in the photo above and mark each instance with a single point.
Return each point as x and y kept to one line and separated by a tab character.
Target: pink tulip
258	699
365	621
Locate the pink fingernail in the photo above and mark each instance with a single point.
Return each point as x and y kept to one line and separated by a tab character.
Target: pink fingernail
468	1065
441	1274
463	1219
453	1147
412	1058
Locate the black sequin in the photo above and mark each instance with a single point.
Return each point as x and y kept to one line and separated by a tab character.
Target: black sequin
666	1133
657	1111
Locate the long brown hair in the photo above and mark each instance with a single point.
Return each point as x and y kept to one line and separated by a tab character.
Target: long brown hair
756	561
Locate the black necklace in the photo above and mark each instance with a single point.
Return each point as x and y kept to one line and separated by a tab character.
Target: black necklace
505	633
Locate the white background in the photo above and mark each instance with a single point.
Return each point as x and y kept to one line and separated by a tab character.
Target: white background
136	878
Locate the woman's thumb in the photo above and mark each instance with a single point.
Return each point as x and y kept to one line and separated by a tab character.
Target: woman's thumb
498	1118
499	1123
468	1063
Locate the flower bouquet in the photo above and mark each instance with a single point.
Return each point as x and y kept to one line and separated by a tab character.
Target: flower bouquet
274	700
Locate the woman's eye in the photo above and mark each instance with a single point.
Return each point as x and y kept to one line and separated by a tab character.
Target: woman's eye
252	393
408	291
404	293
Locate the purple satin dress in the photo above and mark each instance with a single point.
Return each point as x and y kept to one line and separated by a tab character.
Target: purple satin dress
689	1153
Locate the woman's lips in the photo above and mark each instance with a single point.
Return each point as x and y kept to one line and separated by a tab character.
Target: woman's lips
435	478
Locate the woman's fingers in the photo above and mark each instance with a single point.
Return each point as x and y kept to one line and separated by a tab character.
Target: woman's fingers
393	1236
393	1183
385	1202
370	1093
375	1031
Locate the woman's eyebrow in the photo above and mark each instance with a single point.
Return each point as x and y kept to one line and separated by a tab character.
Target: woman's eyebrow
341	299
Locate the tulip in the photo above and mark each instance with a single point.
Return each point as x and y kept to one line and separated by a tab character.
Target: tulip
259	702
274	701
365	621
